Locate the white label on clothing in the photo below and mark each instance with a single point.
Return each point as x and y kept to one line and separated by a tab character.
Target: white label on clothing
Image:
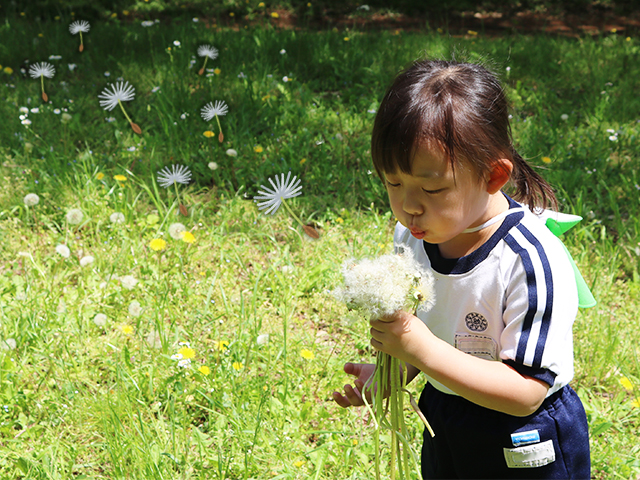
530	456
481	346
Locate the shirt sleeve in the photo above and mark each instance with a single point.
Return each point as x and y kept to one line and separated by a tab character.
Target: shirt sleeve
541	304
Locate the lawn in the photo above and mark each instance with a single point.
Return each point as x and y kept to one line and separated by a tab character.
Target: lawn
213	354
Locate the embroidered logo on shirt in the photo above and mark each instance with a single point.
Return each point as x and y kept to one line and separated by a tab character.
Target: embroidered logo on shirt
476	322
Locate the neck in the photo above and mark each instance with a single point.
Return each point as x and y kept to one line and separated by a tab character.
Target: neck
465	243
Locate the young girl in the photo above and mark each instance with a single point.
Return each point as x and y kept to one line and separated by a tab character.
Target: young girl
497	347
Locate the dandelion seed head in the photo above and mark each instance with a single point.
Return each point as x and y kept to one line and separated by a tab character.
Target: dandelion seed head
117	217
208	51
121	91
86	260
135	309
79	26
210	110
100	319
129	282
74	216
42	69
176	174
176	230
271	199
31	199
380	287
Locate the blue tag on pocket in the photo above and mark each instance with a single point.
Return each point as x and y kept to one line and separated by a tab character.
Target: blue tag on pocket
525	438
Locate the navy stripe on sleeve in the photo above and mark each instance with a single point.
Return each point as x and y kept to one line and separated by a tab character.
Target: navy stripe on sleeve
533	296
542	374
548	308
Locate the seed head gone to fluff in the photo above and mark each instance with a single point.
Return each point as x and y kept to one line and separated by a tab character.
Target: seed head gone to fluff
211	110
42	69
380	287
177	174
79	26
121	91
208	51
282	189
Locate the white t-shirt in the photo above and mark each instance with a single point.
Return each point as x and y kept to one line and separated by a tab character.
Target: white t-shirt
514	299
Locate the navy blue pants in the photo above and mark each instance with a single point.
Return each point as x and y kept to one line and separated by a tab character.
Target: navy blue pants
475	442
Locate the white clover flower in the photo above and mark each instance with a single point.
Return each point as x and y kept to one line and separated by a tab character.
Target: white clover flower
380	287
176	43
282	189
176	230
121	92
177	174
176	356
213	166
231	152
26	121
208	51
24	110
128	281
184	363
79	26
147	23
283	51
55	57
211	110
117	217
613	138
74	216
135	309
31	199
100	319
86	260
63	250
42	69
57	111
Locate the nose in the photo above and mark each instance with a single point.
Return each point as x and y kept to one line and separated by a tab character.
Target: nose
412	206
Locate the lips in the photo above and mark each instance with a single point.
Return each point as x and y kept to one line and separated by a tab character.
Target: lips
419	234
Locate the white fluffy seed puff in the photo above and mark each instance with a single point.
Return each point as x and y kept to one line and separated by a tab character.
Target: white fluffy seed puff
79	26
208	51
121	91
31	199
210	110
380	287
42	69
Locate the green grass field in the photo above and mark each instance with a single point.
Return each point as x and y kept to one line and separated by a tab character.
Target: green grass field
90	385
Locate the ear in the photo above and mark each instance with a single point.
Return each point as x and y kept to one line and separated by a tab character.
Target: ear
499	175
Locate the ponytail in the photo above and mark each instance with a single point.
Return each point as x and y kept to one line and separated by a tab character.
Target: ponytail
530	188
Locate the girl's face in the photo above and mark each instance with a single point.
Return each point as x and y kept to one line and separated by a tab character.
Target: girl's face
437	207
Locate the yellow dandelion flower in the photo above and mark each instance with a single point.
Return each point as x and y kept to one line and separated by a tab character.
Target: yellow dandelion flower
626	384
303	161
346	39
203	369
125	12
126	329
8	70
299	463
187	352
157	244
472	32
258	149
120	178
41	35
237	366
266	97
217	71
261	5
307	354
635	403
187	237
339	220
546	159
275	15
114	15
231	14
99	176
354	442
222	345
208	134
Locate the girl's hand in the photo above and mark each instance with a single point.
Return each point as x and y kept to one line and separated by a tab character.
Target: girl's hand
353	394
401	335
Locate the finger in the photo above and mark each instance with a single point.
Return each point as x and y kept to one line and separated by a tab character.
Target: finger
354	396
353	369
341	400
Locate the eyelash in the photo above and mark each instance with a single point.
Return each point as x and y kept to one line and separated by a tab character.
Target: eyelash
429	192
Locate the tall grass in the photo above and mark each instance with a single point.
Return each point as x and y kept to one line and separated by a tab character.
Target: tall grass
109	401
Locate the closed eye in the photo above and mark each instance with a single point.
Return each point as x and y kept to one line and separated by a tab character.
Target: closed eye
392	184
432	192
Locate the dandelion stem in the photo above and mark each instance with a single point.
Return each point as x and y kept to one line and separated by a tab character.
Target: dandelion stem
123	111
205	62
81	44
293	214
175	184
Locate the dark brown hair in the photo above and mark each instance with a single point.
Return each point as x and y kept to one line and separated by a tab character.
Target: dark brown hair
462	108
